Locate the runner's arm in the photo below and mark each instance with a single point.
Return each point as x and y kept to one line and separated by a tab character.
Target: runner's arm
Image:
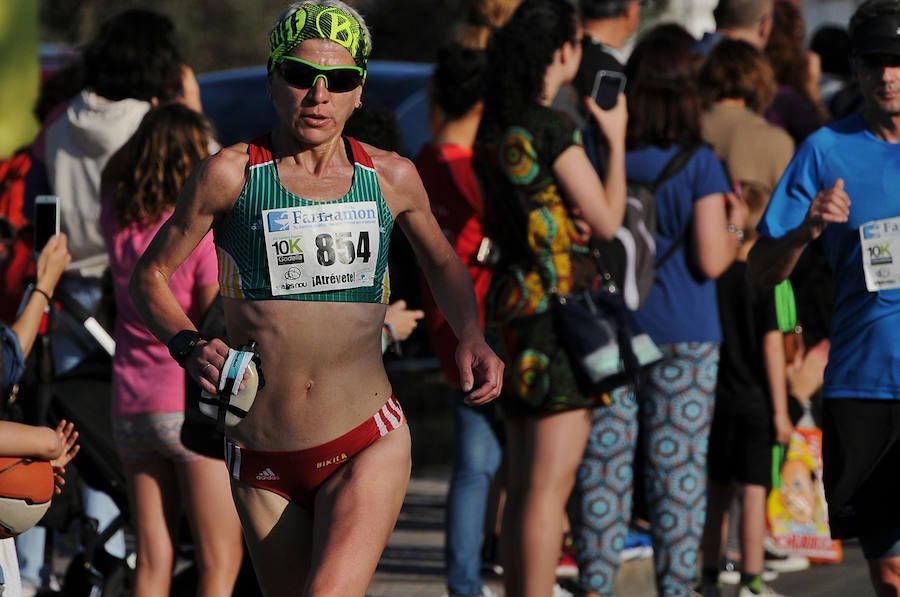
771	260
210	191
481	371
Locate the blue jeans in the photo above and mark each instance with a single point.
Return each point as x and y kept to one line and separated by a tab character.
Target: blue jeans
30	551
476	459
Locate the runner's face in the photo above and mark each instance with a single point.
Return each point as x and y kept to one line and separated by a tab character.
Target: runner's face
879	81
315	114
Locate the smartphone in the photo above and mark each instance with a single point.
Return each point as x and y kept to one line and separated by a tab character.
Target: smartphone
608	84
46	220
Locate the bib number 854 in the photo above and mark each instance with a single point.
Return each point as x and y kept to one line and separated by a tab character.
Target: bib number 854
340	246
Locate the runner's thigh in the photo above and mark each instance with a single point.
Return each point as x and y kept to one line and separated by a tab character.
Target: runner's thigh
278	534
356	510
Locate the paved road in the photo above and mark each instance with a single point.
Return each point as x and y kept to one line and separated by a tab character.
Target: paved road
412	565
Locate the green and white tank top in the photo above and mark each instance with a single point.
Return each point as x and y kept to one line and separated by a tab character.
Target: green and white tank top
276	245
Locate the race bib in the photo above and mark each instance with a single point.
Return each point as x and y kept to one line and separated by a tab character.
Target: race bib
880	239
314	248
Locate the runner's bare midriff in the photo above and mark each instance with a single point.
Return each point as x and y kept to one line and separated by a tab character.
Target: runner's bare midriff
322	365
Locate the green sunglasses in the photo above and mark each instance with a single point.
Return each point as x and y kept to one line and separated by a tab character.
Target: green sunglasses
302	74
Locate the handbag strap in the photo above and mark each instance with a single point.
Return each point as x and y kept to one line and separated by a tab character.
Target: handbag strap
673	167
675	164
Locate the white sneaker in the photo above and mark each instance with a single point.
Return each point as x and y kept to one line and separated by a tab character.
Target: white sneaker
787	563
766	591
781	561
29	589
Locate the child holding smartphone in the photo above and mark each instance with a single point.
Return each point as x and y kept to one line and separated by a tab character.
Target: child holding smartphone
55	445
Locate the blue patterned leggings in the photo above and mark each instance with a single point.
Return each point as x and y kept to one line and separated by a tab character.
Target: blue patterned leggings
675	405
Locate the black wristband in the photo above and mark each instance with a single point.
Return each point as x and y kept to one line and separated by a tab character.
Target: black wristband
182	344
46	296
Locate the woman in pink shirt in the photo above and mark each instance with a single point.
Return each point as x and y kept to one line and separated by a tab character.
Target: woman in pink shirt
141	185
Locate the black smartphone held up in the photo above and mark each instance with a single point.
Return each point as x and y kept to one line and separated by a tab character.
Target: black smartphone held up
608	84
46	220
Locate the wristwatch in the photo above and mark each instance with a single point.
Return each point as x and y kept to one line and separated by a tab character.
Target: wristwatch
182	343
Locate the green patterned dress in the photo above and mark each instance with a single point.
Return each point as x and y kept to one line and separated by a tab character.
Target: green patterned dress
543	253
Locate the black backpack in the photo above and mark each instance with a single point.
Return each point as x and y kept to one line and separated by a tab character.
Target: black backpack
631	257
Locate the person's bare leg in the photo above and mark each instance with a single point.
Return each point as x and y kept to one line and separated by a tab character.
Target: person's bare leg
215	527
153	495
558	443
278	534
753	528
885	575
355	513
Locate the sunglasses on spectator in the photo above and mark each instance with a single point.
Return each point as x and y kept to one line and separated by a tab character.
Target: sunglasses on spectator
302	74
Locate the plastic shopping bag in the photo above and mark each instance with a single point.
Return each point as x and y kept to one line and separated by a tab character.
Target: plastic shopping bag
795	510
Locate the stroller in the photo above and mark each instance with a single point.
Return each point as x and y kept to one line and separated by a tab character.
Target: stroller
81	395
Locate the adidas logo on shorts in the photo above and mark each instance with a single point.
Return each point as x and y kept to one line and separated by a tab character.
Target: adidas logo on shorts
267	475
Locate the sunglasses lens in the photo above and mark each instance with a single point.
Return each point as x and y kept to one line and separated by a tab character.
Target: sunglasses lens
343	80
339	80
297	74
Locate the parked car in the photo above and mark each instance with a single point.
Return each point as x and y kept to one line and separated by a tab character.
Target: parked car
236	101
54	56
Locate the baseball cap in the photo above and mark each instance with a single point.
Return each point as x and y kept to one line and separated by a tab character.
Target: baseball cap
604	9
877	36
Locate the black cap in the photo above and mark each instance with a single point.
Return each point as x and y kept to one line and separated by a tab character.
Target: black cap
603	9
881	36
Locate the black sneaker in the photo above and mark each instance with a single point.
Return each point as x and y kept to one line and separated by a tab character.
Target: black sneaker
731	572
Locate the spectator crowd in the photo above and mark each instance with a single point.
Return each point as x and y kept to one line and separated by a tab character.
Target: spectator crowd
769	160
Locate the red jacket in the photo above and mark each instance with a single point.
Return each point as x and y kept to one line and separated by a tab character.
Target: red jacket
456	202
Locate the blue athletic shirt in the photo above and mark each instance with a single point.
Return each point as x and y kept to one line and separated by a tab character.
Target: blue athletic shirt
681	306
864	361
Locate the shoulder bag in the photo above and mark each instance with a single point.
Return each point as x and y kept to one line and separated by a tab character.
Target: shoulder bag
592	324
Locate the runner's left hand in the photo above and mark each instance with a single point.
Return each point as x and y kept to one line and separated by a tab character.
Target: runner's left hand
480	371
